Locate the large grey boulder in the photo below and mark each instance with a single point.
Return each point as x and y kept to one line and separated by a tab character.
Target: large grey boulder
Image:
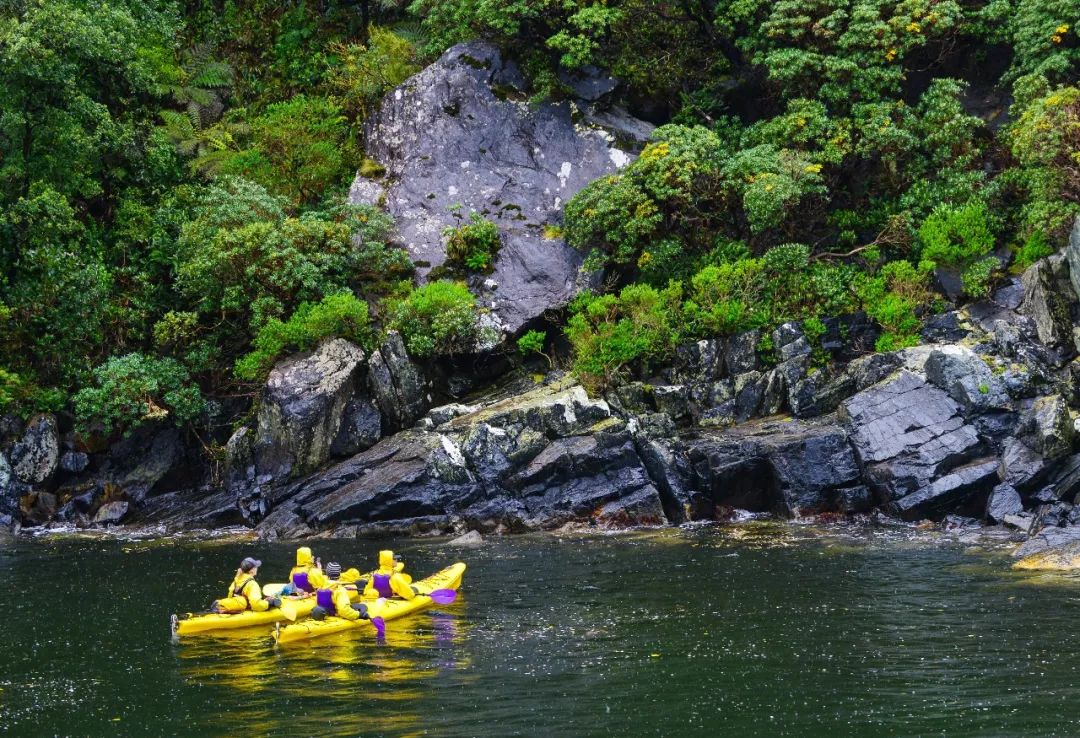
909	435
398	385
1072	254
9	493
793	468
1046	427
459	137
302	408
964	375
1004	500
34	458
1048	301
141	464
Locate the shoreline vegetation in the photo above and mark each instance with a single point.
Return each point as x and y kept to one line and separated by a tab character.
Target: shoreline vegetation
211	311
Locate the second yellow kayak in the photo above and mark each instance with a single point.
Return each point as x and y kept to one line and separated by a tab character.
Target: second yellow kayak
387	609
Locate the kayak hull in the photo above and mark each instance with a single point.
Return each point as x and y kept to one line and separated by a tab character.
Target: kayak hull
387	609
198	623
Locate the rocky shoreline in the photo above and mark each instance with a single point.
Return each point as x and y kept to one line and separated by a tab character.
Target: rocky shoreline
977	423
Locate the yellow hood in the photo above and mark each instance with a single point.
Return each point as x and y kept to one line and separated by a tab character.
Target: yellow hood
386	560
303	556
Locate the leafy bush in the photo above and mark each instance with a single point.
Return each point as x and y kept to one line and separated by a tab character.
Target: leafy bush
472	245
437	319
364	73
959	237
892	298
1035	247
132	389
336	316
611	332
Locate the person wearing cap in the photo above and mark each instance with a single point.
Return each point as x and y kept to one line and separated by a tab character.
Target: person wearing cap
334	599
244	592
390	580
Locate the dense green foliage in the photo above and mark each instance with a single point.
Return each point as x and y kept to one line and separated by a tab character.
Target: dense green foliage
171	178
438	318
338	315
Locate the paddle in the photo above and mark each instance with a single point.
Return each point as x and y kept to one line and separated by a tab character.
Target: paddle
288	609
380	626
442	596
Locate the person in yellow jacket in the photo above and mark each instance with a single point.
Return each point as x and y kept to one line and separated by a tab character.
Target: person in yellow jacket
334	598
389	580
245	592
307	576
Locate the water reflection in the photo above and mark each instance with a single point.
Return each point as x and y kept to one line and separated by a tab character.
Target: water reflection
388	677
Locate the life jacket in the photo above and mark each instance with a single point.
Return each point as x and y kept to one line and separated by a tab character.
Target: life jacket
381	583
239	591
324	598
300	581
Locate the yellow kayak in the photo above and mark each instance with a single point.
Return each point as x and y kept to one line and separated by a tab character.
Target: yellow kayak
195	623
387	609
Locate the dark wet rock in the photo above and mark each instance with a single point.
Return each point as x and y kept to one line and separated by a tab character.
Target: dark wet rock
791	467
740	352
598	477
790	342
1052	515
189	509
668	472
1046	427
35	456
1072	255
1048	296
1045	495
446	413
302	408
9	493
672	400
400	388
1010	295
907	435
1022	521
996	425
588	82
1047	539
361	427
701	362
460	134
42	507
472	538
961	373
1065	479
408	475
148	462
948	327
1021	466
74	462
951	490
822	392
1004	500
111	513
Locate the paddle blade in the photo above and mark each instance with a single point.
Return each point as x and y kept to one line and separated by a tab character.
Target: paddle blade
288	609
380	626
443	596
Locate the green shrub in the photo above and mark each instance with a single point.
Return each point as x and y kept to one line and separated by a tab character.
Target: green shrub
727	298
1035	247
611	332
363	73
438	319
956	236
132	389
340	315
532	342
472	245
976	278
892	298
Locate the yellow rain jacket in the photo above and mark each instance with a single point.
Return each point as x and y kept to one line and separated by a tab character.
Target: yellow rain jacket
343	606
389	580
244	594
305	563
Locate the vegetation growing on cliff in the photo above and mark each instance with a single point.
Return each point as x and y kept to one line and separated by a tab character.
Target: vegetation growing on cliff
171	177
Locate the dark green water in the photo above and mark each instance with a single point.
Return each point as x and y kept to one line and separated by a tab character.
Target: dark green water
670	633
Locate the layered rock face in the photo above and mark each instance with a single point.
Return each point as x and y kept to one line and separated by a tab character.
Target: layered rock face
460	136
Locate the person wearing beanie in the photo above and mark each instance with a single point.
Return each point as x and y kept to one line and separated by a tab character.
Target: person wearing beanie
334	599
245	592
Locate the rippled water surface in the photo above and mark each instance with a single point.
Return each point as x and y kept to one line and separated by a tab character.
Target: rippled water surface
746	631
